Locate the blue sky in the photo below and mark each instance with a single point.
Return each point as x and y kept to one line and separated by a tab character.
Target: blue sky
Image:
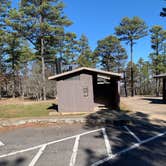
98	18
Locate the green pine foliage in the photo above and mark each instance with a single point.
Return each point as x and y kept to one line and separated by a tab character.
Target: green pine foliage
112	54
34	43
41	23
158	44
131	30
86	58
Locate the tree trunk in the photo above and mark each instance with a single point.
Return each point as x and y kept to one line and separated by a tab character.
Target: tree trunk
43	69
0	93
42	58
157	72
132	73
24	81
14	77
14	87
125	84
0	78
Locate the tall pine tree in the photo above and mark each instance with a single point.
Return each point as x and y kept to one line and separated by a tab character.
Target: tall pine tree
86	58
131	30
4	8
158	57
41	22
111	54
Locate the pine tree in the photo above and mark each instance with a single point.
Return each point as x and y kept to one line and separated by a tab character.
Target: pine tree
4	8
41	22
128	76
13	50
163	12
131	30
158	57
86	58
143	81
111	53
70	48
26	57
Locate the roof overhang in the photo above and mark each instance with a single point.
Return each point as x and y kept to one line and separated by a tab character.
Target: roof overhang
86	69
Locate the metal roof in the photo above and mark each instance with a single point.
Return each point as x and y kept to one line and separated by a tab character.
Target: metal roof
160	76
84	69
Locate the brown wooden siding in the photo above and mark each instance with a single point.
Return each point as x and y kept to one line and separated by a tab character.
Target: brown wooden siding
75	95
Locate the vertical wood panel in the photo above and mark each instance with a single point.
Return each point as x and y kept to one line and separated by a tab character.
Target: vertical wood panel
71	97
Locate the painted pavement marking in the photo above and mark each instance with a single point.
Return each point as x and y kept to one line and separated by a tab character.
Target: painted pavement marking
128	149
37	156
76	144
75	150
48	143
107	143
1	143
132	134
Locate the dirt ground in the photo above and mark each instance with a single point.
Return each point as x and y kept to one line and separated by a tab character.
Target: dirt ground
153	107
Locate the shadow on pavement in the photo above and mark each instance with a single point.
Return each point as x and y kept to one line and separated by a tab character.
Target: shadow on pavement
17	162
155	101
150	154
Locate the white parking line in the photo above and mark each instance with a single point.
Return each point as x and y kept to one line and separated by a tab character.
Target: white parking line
48	143
75	149
1	143
128	149
37	156
132	134
107	143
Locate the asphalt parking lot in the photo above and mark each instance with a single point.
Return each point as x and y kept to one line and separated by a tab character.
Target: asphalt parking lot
75	145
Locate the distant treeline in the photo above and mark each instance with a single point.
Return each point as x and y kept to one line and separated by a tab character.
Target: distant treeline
35	43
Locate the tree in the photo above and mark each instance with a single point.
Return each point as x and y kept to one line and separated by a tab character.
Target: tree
4	8
158	37
143	81
111	53
13	50
41	22
70	48
131	30
163	12
86	58
128	75
26	57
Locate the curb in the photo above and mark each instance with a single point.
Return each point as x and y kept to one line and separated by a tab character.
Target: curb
9	123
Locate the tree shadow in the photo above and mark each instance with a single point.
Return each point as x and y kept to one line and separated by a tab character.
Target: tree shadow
17	162
114	121
155	101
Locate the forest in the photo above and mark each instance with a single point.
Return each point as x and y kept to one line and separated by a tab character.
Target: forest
35	44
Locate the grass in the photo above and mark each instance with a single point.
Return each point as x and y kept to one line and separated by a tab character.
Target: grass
22	110
19	109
